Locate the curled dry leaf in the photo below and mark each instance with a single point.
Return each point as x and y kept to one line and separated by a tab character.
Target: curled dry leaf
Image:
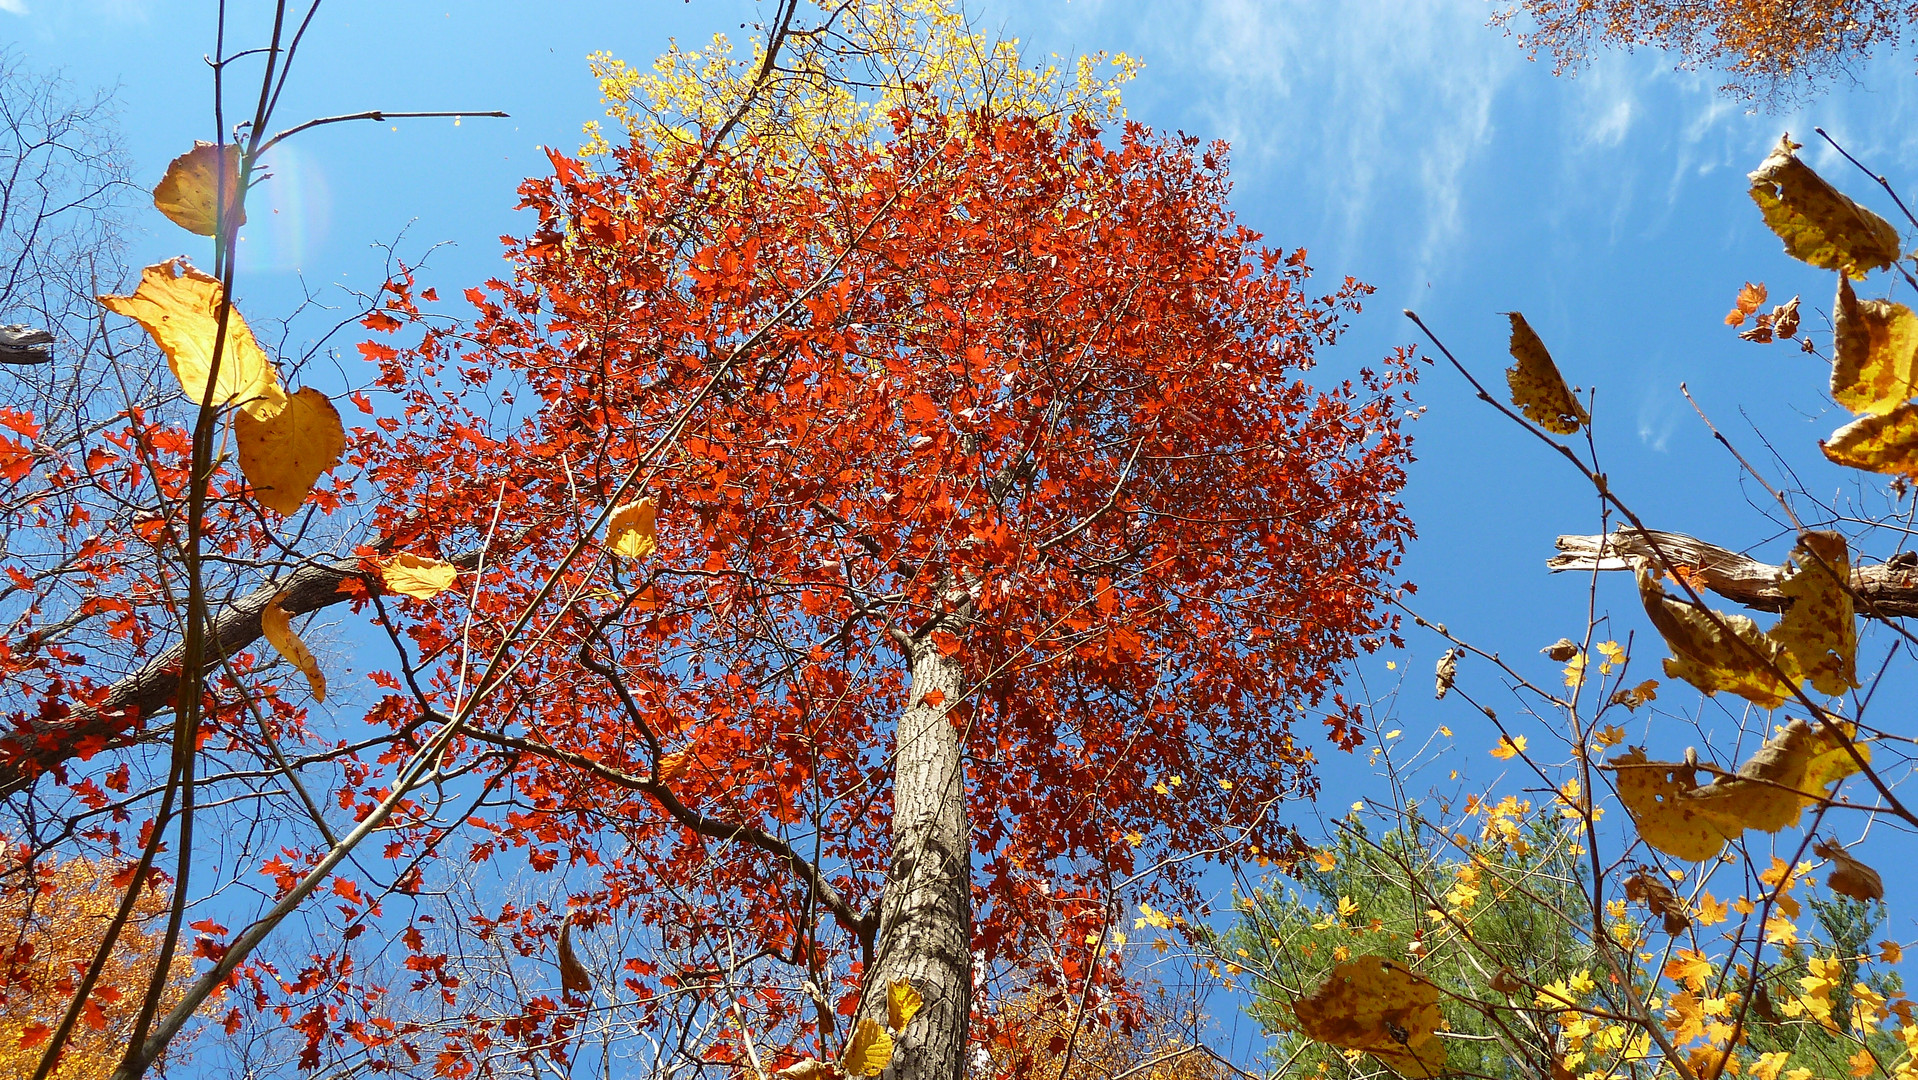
1537	388
1770	791
1880	444
277	625
1749	299
1818	628
1730	653
417	576
631	529
806	1069
180	306
1818	224
1372	1004
1561	650
186	193
283	456
1505	982
1849	877
1633	696
1875	353
1647	888
869	1050
1784	318
902	1004
1447	673
573	977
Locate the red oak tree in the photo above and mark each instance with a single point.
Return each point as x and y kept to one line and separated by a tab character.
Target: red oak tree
1001	544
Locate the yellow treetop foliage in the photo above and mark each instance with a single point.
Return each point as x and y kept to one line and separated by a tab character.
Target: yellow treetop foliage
872	57
52	918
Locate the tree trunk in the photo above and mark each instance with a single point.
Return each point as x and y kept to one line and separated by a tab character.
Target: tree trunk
925	927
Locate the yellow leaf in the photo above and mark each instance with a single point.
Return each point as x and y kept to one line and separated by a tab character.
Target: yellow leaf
418	576
186	193
1849	877
674	767
283	456
1324	860
1537	387
902	1004
1880	444
180	306
1818	628
1657	795
1749	299
1790	772
630	531
1508	747
1712	658
869	1051
1690	967
1875	353
277	625
1632	697
1890	952
1818	224
1372	1004
1609	735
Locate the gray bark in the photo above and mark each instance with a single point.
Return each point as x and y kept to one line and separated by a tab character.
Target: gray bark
1884	590
925	927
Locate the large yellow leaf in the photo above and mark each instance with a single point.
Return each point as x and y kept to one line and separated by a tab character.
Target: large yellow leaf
630	531
869	1051
186	193
179	306
1875	342
282	457
1373	1004
1738	658
418	576
1818	224
902	1004
1881	444
1537	387
1658	795
277	625
1790	772
1818	627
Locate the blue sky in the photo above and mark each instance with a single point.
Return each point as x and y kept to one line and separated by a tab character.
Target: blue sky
1400	141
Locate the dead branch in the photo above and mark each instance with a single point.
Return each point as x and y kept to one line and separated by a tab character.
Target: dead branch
1884	590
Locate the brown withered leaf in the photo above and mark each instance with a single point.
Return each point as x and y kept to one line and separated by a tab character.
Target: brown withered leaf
283	456
1749	298
1818	224
1730	653
1373	1004
1760	331
573	977
277	626
1875	353
1446	674
1880	444
1790	772
1818	628
1648	888
186	193
1537	388
1561	650
1505	982
1784	318
1657	795
179	306
807	1069
1849	877
1633	696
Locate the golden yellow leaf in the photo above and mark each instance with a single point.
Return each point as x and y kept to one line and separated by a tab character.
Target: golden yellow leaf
869	1050
1818	224
1690	967
283	456
418	576
1632	697
1730	654
1880	444
180	306
902	1004
1849	877
1509	747
1890	952
1790	772
1875	353
277	625
1818	628
1372	1004
674	767
630	531
1537	387
1657	795
186	193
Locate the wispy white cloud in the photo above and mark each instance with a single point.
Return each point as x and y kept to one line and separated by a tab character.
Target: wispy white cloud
14	7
